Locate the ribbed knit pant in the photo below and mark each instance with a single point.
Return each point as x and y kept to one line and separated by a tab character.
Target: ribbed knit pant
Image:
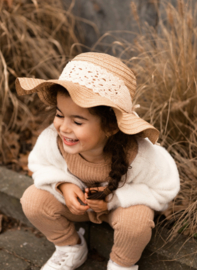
132	226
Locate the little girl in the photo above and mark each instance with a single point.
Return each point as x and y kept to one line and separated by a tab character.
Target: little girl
97	162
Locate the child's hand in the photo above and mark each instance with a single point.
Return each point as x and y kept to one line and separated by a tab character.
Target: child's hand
71	192
96	205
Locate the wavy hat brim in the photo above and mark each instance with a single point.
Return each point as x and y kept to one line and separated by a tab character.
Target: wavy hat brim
84	97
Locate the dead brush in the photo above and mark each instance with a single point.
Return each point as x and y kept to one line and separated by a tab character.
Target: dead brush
35	41
165	62
166	65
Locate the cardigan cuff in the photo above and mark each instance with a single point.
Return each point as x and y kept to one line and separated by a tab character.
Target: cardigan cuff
57	187
113	202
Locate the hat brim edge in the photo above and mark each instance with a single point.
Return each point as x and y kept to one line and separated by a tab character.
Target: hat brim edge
124	119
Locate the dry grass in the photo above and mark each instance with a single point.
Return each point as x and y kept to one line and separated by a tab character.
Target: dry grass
35	41
166	68
165	61
167	91
36	38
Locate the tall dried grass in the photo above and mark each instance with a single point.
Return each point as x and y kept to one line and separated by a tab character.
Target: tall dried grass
165	61
166	65
35	41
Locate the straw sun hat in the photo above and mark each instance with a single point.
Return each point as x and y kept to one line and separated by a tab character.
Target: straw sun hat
94	79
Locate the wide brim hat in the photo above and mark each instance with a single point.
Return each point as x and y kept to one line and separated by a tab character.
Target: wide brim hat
94	79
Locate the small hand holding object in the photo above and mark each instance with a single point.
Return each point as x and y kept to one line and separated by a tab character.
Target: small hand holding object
96	205
74	197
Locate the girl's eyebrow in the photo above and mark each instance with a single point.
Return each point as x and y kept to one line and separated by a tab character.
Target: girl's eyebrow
79	116
74	116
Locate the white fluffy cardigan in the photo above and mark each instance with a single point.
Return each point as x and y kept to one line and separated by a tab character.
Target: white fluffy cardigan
153	179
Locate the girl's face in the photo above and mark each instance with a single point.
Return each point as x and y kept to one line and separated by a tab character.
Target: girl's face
79	130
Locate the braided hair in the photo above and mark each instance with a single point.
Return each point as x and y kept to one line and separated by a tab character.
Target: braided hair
117	147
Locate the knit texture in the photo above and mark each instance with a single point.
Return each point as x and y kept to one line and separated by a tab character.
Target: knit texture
89	173
153	179
92	174
132	226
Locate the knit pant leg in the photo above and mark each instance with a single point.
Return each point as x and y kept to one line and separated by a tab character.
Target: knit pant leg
50	216
132	232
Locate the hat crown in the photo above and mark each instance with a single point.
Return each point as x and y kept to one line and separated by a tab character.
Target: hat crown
100	81
113	65
104	75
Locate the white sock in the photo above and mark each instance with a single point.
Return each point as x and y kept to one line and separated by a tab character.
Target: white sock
114	263
119	265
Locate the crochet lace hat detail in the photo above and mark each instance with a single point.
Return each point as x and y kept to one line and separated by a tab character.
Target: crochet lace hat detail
95	79
99	81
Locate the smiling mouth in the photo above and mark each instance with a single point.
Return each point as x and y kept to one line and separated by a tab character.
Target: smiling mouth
69	141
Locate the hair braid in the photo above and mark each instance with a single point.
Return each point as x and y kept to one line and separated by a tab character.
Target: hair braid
116	146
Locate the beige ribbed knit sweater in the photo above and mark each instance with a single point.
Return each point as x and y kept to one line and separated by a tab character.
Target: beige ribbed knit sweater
92	173
153	179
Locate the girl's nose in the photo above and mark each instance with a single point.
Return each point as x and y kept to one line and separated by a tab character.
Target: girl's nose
65	127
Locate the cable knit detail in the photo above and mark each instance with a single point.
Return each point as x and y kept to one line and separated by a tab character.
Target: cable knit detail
153	180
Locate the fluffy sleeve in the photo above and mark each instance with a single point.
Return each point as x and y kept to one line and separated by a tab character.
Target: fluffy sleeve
48	165
153	179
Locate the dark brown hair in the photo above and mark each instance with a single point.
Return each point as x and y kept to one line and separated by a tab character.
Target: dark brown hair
117	145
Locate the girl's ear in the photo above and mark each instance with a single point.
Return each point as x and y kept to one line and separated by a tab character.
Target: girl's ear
111	133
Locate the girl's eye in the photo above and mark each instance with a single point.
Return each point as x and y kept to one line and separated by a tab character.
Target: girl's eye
58	115
79	124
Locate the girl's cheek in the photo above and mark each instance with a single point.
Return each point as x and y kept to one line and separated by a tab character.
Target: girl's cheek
80	132
56	123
